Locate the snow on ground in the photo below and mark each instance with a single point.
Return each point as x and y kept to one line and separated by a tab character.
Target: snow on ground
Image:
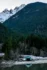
33	57
2	54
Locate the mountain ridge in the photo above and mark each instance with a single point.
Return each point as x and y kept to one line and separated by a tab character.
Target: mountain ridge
32	19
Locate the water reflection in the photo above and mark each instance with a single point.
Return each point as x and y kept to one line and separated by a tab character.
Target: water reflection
33	67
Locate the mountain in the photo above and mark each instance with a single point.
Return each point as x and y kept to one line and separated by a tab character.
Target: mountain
32	19
8	13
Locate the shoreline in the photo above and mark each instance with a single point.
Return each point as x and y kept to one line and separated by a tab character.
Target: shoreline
11	63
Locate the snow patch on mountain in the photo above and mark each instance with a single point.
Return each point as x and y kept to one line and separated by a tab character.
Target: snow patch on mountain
6	14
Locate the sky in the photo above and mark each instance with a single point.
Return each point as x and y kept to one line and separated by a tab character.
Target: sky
11	4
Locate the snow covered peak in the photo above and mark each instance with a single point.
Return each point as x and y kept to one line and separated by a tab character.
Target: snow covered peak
6	11
22	6
6	14
16	9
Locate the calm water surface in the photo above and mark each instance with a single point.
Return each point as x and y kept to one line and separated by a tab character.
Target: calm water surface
33	67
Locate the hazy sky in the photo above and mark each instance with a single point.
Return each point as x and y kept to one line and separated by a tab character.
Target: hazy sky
10	4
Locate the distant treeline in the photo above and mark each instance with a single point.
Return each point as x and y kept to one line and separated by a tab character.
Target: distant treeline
37	41
24	44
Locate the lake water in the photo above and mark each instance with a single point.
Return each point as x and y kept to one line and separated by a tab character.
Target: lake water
23	67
